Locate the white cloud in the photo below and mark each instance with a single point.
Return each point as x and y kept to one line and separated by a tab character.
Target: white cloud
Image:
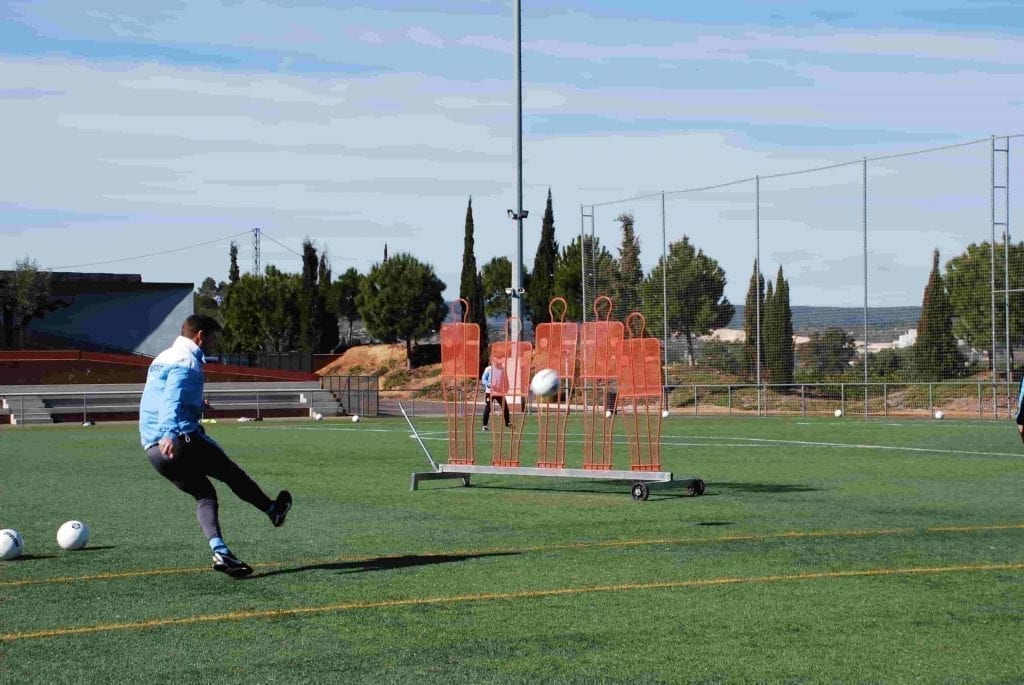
422	36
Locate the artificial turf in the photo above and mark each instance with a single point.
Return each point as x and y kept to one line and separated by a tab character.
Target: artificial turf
823	550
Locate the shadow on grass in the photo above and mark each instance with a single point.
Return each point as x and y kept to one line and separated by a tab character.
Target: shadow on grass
382	563
715	523
771	488
33	557
658	492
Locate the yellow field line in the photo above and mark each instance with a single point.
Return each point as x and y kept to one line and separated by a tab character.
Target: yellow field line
738	537
490	596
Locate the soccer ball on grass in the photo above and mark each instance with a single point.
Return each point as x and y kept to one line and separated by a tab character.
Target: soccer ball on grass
72	535
11	544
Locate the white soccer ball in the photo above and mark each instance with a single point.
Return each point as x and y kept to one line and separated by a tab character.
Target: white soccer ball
11	544
72	535
938	414
544	383
608	413
664	413
839	413
355	418
318	416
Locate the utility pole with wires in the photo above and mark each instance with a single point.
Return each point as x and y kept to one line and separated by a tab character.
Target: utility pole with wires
256	251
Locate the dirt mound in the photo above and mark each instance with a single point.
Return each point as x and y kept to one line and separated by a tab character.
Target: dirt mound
367	360
390	364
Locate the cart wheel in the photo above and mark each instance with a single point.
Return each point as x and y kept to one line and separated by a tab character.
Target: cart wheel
640	492
698	487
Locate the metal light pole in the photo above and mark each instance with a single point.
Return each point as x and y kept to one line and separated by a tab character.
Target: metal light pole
519	214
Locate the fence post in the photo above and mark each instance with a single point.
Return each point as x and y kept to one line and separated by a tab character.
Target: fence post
842	397
23	410
85	408
885	400
931	401
729	401
980	410
258	404
695	400
803	401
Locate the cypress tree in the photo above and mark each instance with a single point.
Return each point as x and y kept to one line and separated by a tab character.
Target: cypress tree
470	285
542	279
755	297
233	274
786	362
935	352
769	335
310	318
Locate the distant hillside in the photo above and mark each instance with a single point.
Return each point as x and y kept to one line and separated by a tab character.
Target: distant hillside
883	322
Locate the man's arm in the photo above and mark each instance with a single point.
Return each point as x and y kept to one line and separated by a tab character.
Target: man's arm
170	408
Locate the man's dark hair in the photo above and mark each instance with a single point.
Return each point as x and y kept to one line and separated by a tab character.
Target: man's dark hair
200	322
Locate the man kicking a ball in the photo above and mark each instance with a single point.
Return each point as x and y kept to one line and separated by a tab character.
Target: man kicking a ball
180	450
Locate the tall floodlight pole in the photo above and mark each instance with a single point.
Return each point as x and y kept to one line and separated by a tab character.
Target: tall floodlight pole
519	215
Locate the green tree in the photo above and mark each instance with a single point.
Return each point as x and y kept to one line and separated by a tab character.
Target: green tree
787	359
329	334
470	282
601	271
311	303
777	325
243	315
208	298
935	353
26	296
753	304
629	275
495	276
280	318
542	278
401	299
345	291
968	282
829	354
696	303
233	274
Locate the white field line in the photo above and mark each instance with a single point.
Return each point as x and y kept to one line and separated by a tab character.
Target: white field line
743	442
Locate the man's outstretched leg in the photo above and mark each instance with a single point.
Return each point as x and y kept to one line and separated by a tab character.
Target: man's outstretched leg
183	472
218	465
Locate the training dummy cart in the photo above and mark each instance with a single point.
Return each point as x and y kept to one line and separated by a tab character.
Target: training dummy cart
610	373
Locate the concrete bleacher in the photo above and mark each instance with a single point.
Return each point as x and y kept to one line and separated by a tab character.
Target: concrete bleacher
45	404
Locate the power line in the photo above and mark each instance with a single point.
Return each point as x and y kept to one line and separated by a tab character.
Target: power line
802	171
151	254
263	234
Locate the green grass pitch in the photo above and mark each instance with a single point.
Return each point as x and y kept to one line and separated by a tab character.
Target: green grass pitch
824	550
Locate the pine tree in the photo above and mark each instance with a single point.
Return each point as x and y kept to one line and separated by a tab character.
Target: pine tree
542	278
935	352
755	300
470	286
630	275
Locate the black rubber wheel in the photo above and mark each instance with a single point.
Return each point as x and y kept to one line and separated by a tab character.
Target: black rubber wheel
640	492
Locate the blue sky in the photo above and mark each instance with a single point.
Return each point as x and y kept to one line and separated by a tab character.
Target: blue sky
134	127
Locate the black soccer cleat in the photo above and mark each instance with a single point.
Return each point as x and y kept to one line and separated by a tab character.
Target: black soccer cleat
282	505
230	564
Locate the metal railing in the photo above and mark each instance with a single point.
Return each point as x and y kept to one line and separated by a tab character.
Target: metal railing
978	399
256	401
